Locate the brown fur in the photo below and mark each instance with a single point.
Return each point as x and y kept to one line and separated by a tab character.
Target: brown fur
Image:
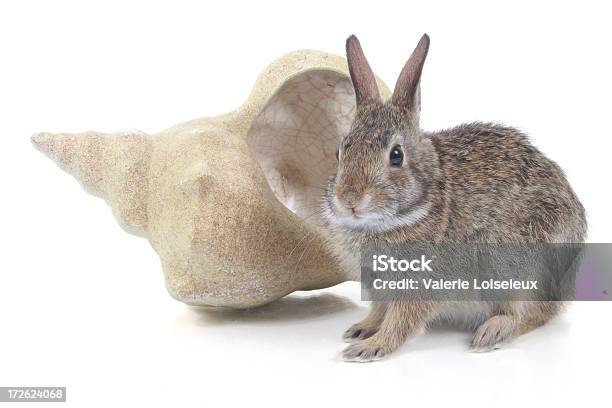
478	182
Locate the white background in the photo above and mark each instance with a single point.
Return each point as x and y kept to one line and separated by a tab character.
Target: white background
82	304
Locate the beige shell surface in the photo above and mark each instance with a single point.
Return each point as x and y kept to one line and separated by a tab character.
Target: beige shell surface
229	203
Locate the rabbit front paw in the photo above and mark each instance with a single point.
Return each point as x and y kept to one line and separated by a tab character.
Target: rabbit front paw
359	331
364	351
493	334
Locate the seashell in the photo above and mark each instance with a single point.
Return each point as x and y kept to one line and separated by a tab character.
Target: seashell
229	203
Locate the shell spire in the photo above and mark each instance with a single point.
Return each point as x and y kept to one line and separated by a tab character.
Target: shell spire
112	166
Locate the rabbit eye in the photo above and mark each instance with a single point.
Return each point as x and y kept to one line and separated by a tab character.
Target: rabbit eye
396	157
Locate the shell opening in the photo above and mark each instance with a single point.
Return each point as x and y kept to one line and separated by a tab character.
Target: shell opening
294	137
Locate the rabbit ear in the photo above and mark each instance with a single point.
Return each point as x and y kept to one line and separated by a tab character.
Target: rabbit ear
406	94
366	90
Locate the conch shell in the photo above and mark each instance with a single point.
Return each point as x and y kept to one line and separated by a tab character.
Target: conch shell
229	203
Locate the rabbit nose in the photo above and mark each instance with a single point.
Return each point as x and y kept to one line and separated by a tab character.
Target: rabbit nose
350	199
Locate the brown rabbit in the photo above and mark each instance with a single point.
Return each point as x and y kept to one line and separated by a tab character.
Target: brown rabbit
477	182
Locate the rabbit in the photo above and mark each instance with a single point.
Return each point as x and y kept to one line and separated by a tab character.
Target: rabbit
478	182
